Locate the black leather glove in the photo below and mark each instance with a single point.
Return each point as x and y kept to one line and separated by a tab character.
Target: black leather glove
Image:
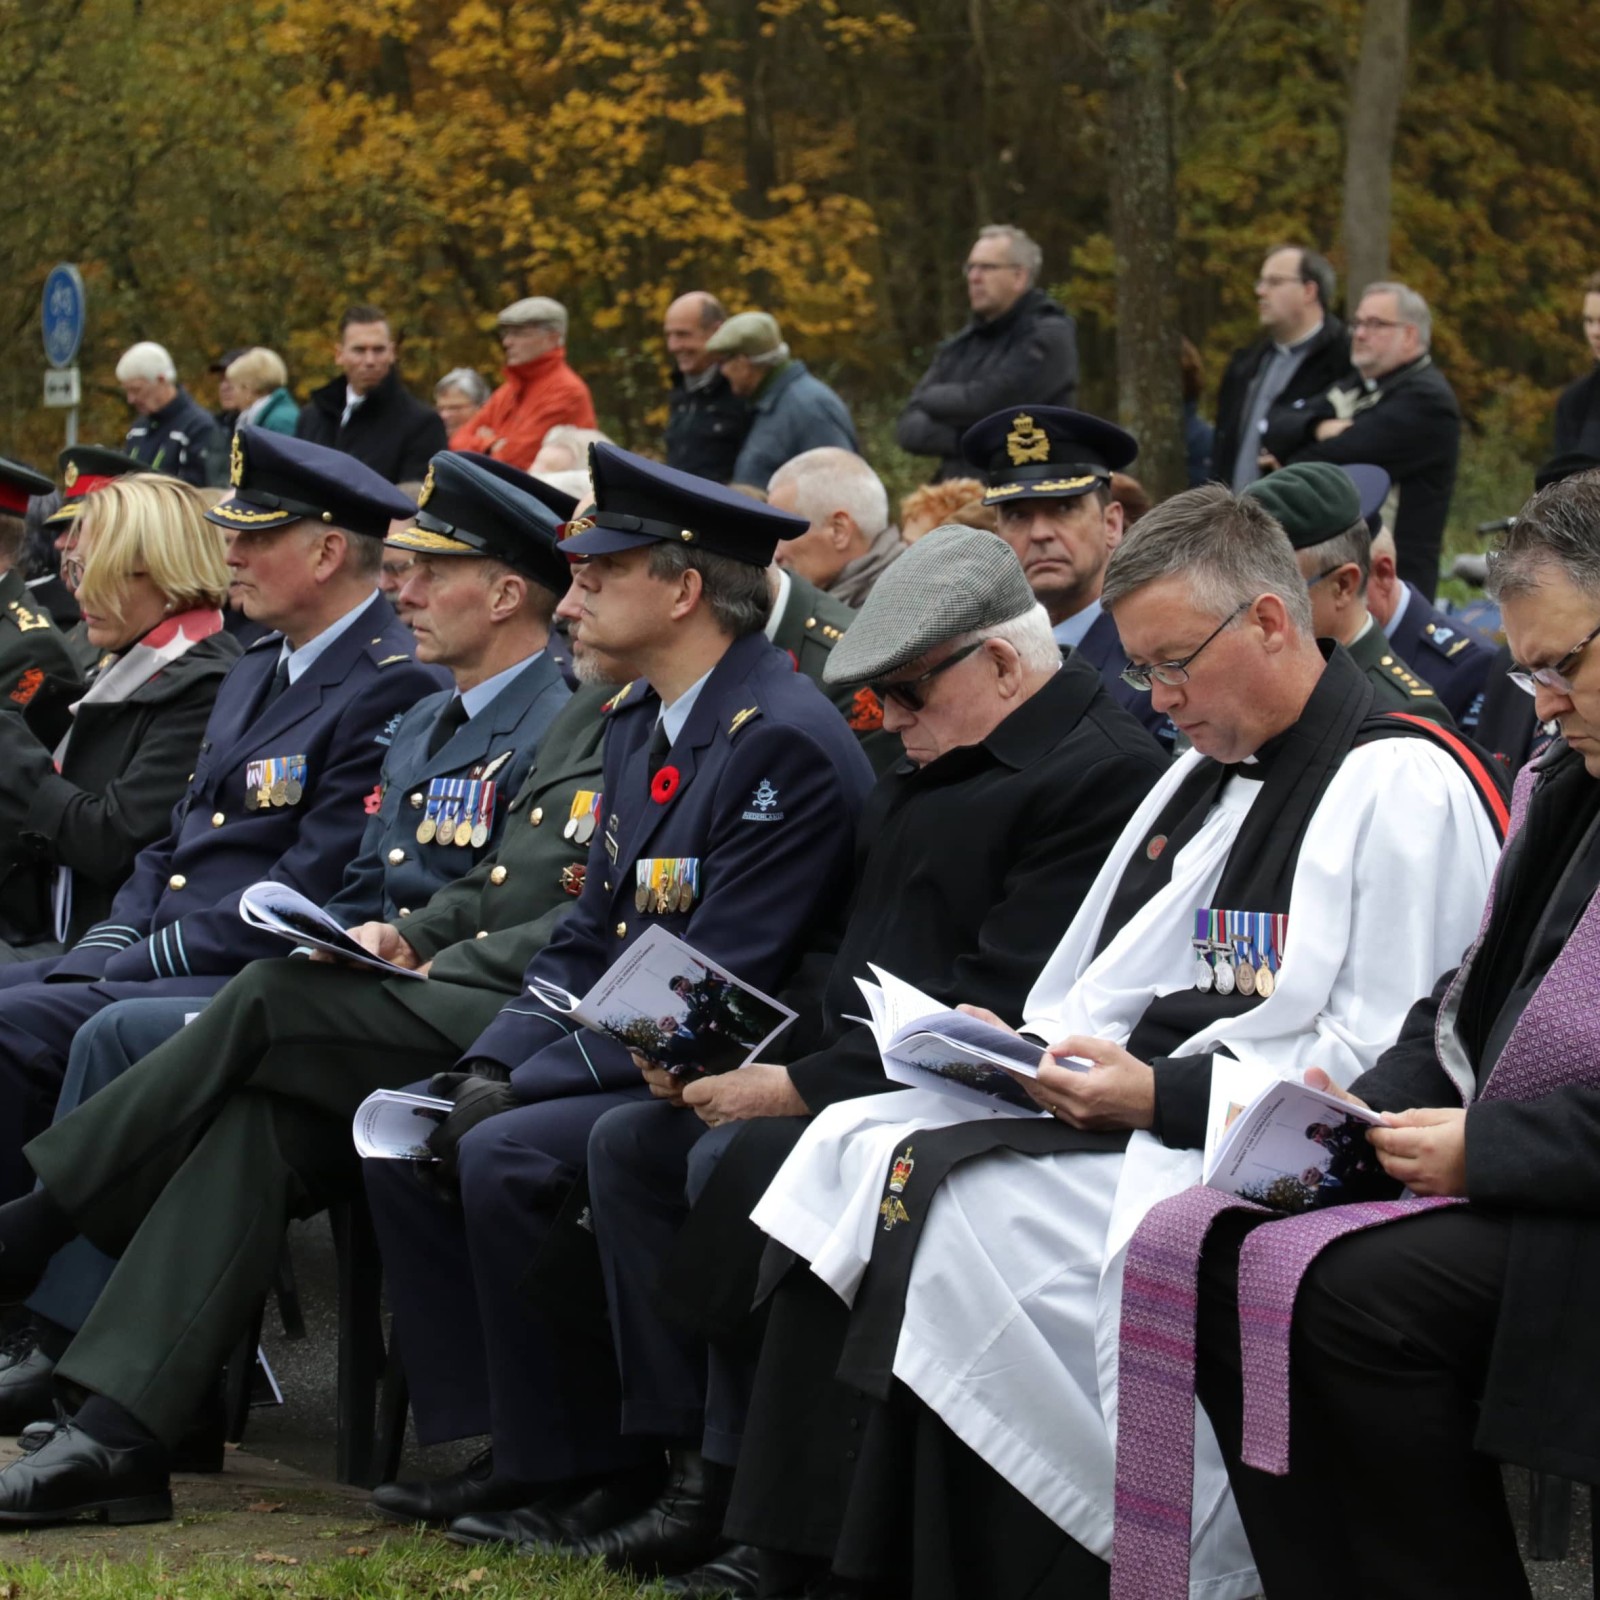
476	1097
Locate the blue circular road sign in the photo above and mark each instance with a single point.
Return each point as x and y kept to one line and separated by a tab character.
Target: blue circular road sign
62	315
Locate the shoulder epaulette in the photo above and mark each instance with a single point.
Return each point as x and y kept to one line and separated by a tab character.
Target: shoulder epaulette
824	632
388	661
1449	642
27	620
616	700
1413	685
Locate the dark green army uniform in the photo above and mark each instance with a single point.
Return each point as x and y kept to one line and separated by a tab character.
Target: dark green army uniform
314	1039
813	622
1399	688
32	647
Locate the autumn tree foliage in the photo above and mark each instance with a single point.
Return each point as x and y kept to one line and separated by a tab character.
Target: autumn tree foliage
233	171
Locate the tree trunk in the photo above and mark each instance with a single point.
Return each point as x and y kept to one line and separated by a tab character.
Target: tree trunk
1375	96
1144	237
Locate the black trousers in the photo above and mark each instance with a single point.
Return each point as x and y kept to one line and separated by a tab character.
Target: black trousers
1386	1497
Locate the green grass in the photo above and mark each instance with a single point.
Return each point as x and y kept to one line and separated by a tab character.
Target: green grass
420	1568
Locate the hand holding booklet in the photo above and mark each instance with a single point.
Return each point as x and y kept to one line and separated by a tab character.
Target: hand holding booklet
1288	1146
675	1007
276	908
394	1124
928	1046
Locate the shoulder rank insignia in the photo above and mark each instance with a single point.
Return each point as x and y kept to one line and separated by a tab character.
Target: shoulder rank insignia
1415	687
1442	636
425	494
389	661
27	621
742	717
27	686
616	700
830	634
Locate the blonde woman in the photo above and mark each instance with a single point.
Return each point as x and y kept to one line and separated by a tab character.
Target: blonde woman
87	781
260	386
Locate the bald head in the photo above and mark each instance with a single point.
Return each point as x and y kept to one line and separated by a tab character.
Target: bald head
691	319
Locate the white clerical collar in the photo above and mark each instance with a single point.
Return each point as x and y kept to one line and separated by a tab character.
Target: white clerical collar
779	603
673	717
1071	631
1399	610
1299	344
302	660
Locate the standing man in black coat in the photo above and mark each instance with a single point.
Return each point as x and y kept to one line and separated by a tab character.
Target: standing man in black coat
706	420
366	412
1428	1351
1019	343
173	433
1303	350
1396	411
1578	409
1025	757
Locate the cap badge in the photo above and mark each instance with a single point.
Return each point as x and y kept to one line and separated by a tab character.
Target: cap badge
1025	442
425	494
71	475
236	462
571	530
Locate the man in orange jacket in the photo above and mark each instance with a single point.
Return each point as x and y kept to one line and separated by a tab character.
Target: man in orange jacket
540	390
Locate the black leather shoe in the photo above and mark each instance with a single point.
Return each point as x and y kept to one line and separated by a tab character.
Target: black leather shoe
734	1575
71	1475
473	1488
203	1447
568	1511
680	1530
27	1381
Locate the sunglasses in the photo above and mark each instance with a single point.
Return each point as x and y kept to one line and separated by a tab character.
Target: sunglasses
909	692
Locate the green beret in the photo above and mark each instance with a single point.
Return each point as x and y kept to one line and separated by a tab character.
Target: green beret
1313	501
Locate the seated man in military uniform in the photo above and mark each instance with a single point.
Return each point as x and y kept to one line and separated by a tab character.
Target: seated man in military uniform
32	647
671	592
1317	505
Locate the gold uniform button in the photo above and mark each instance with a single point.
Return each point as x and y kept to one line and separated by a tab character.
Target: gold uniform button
217	819
482	933
396	856
811	622
1388	661
405	911
536	816
622	930
498	875
177	881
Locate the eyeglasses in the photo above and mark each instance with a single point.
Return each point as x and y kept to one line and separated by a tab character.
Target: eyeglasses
908	692
1173	673
1311	583
1531	678
1274	280
1374	324
969	267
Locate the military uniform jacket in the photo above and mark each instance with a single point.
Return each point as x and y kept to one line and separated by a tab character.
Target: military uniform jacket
813	622
124	768
1399	689
32	647
1454	660
481	931
178	914
761	789
395	870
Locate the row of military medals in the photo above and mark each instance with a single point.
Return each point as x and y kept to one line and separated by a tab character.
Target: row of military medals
584	817
668	884
1239	950
460	812
276	781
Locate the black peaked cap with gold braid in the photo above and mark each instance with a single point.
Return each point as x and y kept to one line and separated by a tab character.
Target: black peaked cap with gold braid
1046	453
277	480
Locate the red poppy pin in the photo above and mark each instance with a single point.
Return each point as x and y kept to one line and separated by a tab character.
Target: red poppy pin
664	785
1156	846
374	801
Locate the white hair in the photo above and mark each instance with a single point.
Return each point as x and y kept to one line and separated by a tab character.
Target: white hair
829	479
1023	251
146	360
576	483
537	311
1029	634
1409	306
565	436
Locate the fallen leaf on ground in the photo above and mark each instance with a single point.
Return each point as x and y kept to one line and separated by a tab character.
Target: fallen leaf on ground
267	1556
472	1579
358	1549
266	1505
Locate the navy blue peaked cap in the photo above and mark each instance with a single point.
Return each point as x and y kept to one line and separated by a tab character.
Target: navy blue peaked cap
1046	452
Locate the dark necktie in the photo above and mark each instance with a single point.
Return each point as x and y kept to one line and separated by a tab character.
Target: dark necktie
280	682
660	744
452	717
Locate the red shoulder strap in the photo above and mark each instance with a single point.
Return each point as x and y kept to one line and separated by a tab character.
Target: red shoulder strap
1488	789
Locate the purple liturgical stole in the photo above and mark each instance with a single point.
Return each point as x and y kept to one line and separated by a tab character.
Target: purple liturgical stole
1556	1042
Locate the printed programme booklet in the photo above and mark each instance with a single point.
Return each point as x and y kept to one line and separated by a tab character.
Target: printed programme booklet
1288	1146
928	1046
276	908
675	1007
394	1124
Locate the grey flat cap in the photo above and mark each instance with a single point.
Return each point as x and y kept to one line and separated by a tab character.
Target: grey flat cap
750	333
951	581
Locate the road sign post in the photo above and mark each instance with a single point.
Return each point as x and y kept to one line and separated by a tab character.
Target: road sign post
61	317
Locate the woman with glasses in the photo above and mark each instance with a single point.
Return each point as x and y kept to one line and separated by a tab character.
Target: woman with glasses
88	779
